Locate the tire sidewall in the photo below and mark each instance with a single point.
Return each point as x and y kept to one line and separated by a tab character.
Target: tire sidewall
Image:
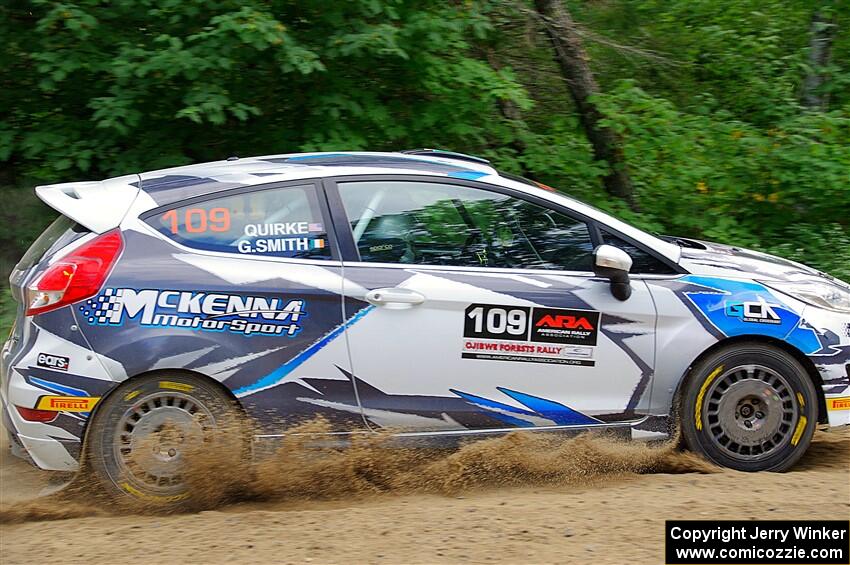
750	354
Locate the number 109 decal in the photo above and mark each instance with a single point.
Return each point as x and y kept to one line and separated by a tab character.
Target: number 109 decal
550	335
496	322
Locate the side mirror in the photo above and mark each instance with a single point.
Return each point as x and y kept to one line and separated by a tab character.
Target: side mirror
614	264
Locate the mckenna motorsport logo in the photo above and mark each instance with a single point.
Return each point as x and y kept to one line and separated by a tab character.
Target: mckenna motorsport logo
754	311
246	315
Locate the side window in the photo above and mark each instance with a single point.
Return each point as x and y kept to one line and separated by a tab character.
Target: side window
442	224
277	222
642	262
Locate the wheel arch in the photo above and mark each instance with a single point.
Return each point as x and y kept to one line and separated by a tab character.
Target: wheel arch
807	364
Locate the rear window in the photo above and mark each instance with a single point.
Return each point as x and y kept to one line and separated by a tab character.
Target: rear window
60	233
275	222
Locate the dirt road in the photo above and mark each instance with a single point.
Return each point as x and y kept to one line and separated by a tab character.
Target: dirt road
606	503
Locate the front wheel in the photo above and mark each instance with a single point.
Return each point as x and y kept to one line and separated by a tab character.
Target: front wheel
143	436
749	407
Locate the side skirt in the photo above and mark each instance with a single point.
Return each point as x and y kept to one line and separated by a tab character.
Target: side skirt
648	428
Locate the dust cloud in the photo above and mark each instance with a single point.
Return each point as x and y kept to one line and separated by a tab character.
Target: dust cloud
304	467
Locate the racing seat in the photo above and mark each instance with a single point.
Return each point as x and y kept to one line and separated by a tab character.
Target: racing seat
387	240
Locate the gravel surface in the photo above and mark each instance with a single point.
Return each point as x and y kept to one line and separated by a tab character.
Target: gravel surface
613	516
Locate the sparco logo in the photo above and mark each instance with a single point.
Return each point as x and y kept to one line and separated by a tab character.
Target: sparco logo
53	362
247	315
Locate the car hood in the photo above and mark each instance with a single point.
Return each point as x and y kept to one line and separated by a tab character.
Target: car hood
706	258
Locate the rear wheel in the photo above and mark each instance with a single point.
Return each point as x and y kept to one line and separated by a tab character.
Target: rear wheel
143	436
750	407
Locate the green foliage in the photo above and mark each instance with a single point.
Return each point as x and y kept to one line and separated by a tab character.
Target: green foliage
134	85
8	310
717	143
827	247
22	218
716	177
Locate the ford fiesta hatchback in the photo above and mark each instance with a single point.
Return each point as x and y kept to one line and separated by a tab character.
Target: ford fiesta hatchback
420	291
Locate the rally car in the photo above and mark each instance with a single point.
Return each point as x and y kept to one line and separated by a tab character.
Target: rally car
423	292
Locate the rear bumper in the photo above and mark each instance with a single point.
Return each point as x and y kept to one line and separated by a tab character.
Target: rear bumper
33	441
44	452
49	454
15	446
53	445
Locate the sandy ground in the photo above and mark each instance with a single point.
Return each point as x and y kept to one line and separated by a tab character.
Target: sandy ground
613	517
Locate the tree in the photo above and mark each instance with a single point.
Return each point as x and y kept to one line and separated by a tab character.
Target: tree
574	62
822	30
712	129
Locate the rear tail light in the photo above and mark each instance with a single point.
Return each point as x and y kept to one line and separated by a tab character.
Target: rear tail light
77	276
33	415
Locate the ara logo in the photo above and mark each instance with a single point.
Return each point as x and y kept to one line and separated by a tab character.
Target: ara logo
567	322
754	311
561	325
207	311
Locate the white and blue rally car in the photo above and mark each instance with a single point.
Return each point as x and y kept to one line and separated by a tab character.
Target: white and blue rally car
420	291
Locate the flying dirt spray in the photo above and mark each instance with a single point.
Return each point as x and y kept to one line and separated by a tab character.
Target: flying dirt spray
305	468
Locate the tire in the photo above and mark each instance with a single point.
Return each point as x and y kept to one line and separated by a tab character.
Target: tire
148	431
749	407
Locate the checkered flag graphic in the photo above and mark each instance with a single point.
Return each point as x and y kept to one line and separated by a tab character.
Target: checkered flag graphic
105	308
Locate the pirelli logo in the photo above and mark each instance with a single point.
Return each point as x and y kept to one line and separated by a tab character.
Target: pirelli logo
838	403
67	403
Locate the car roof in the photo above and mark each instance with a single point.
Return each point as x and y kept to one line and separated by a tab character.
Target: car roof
101	205
178	183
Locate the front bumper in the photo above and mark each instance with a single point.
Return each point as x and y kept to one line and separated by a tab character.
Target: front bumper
830	355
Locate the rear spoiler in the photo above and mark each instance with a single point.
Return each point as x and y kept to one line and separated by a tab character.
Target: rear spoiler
98	205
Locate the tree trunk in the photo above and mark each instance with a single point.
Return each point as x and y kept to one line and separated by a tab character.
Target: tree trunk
513	115
820	46
571	57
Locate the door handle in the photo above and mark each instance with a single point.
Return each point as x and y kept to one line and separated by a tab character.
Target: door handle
394	298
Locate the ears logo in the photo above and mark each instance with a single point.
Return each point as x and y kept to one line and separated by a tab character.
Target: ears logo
57	362
754	311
